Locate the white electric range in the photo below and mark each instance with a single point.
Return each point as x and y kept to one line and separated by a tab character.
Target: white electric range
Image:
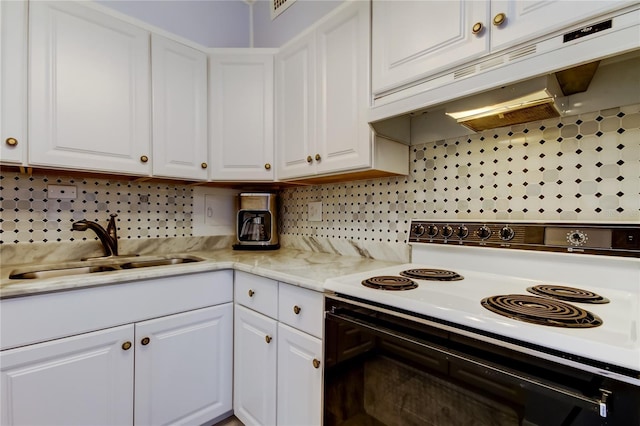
491	260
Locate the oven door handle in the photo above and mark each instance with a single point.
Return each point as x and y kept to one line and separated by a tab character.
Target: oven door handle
513	377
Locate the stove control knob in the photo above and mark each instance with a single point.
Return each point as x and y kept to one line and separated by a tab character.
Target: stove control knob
418	230
507	234
577	238
483	232
462	232
432	231
447	231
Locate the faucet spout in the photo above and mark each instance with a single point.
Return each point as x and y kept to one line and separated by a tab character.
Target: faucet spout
108	237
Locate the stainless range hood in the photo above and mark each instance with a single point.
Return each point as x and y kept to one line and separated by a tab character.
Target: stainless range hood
609	83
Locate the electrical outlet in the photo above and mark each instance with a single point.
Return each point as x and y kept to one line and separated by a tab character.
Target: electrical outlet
62	192
315	211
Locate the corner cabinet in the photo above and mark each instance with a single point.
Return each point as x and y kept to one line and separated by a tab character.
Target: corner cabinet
241	103
13	82
277	352
179	89
89	90
322	98
173	368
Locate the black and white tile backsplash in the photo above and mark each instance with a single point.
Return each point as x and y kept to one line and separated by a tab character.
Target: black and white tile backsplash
145	210
583	168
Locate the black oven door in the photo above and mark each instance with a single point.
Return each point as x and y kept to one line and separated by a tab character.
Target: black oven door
385	369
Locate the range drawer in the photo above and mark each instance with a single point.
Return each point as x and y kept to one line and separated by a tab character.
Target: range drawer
301	308
257	293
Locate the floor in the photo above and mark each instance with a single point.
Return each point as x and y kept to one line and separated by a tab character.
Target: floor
231	421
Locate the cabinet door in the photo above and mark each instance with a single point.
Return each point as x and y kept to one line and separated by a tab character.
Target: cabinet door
295	108
412	40
183	372
254	391
80	380
89	93
241	96
299	378
13	82
179	81
343	135
528	19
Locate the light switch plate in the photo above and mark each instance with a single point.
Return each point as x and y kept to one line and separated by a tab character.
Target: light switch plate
315	211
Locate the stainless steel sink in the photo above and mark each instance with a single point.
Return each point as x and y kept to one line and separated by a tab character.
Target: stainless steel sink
159	262
77	268
61	272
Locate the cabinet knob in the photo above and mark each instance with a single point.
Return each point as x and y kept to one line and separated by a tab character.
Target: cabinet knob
267	166
296	309
126	346
267	339
318	158
477	28
499	19
251	293
12	141
316	363
203	165
309	159
145	341
144	158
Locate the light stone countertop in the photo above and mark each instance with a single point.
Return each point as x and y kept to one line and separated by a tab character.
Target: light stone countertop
298	267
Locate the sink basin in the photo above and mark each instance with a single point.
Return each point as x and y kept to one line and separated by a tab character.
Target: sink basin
159	262
53	273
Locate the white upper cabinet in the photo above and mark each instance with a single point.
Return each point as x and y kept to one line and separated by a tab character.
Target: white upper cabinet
89	90
179	82
322	95
241	100
527	19
414	39
13	82
295	108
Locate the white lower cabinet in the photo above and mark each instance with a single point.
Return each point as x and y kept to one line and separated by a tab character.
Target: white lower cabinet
170	364
277	353
255	340
79	380
299	378
182	372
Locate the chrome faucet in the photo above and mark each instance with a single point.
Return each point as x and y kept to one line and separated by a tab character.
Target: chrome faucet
108	237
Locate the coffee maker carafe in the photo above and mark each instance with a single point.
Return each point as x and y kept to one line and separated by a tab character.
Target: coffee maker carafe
256	223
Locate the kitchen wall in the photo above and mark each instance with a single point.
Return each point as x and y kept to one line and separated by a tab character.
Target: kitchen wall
578	168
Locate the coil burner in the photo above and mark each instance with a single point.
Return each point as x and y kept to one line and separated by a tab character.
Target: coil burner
387	282
541	310
432	274
567	294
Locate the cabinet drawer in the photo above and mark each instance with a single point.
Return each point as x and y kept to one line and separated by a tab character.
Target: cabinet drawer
300	308
257	293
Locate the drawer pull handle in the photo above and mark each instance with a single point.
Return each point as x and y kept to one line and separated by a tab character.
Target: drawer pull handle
316	363
318	158
126	346
144	158
12	141
309	159
267	166
267	339
204	165
296	309
251	293
145	341
477	28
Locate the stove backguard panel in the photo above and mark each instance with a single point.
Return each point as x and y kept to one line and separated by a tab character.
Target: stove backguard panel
583	168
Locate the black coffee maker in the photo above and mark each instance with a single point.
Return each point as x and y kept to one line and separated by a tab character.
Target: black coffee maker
256	222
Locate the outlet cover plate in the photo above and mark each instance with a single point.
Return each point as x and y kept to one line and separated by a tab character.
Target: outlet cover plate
315	211
62	192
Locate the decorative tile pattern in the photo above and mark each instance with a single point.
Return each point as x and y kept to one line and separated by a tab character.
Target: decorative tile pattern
145	210
582	168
